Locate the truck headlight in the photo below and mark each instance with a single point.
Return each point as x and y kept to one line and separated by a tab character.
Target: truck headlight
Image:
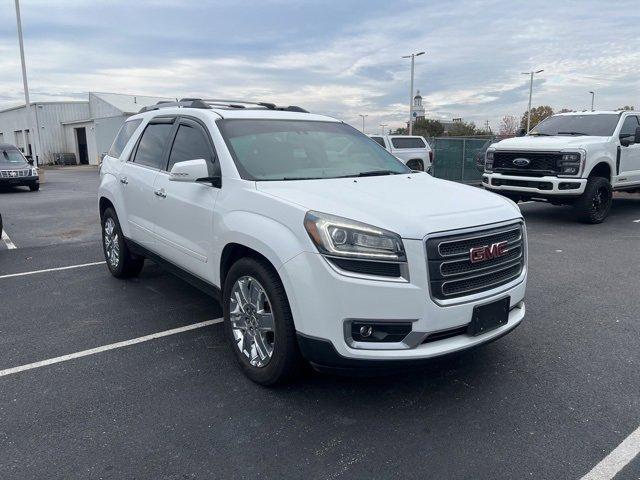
570	163
341	237
34	172
488	160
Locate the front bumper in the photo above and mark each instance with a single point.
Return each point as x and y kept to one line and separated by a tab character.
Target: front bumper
323	301
19	181
543	186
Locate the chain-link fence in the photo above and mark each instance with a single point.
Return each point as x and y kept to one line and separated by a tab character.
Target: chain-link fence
455	157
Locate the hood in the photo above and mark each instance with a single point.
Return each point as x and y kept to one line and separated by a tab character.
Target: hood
411	205
531	142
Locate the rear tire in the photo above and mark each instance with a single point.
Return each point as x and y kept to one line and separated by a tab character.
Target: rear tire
266	350
121	262
594	204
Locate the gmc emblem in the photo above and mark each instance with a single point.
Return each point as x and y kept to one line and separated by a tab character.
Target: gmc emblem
487	252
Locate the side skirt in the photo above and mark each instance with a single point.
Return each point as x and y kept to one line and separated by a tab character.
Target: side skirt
206	287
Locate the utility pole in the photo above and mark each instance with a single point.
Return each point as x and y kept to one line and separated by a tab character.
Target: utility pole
27	104
413	61
382	125
593	96
532	73
363	117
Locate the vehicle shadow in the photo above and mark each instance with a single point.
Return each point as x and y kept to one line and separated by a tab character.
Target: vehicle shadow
624	205
5	190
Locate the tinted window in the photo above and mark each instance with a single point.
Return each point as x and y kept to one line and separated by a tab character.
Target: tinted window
407	142
378	140
153	145
293	150
190	144
598	125
629	126
123	137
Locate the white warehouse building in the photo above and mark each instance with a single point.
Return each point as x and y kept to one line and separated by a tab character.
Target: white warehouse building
85	129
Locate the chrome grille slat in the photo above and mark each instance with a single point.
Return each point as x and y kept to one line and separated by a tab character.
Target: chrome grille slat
452	274
14	173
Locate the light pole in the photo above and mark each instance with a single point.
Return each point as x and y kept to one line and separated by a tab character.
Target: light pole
382	125
530	94
413	61
363	117
27	105
593	96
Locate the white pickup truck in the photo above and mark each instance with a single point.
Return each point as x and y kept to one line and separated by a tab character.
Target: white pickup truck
413	151
576	158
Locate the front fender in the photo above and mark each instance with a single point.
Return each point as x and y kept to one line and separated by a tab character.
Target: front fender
269	237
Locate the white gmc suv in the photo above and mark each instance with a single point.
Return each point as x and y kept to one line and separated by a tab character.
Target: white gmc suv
321	245
576	158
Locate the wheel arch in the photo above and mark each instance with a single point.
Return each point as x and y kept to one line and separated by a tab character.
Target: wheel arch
602	169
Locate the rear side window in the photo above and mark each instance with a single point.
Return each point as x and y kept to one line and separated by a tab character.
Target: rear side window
190	144
123	137
153	145
409	142
378	140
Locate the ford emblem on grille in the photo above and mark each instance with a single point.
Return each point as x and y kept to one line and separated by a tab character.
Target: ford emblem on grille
487	252
521	162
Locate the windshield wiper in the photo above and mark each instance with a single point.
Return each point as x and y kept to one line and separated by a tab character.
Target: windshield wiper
571	133
538	134
299	178
375	173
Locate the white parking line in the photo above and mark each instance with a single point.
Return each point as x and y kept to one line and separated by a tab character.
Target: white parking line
57	269
7	241
104	348
616	460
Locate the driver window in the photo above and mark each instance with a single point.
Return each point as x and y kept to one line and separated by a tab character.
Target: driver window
190	144
629	126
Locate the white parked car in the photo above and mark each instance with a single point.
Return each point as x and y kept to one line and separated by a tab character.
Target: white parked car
576	158
321	245
414	151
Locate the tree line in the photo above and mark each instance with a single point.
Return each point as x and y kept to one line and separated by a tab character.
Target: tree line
509	124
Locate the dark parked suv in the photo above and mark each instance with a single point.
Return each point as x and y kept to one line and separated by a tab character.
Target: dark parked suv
16	170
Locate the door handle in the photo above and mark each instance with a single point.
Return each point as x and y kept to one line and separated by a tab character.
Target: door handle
124	180
160	193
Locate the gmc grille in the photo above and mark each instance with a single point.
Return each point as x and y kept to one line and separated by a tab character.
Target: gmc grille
451	272
541	163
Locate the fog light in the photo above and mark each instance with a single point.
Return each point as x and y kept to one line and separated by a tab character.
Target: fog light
366	331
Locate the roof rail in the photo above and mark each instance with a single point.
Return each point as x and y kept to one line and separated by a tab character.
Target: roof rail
217	102
184	103
209	103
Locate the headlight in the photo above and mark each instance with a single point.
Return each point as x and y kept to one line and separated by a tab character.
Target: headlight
571	163
34	172
337	236
488	160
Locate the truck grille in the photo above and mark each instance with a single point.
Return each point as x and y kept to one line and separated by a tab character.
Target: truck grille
541	163
14	173
452	274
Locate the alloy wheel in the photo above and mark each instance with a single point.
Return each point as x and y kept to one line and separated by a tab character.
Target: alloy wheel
111	244
252	321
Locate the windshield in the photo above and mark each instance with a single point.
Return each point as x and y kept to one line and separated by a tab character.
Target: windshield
296	150
12	157
599	125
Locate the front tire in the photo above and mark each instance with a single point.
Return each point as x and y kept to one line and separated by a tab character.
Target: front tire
594	204
121	262
34	187
259	323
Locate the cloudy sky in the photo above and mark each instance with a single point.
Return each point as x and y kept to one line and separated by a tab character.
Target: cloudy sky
340	57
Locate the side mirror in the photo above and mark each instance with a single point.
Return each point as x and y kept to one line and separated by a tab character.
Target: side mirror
521	132
637	135
626	141
193	171
30	161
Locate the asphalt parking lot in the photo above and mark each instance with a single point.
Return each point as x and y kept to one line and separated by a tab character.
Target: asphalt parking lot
549	401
